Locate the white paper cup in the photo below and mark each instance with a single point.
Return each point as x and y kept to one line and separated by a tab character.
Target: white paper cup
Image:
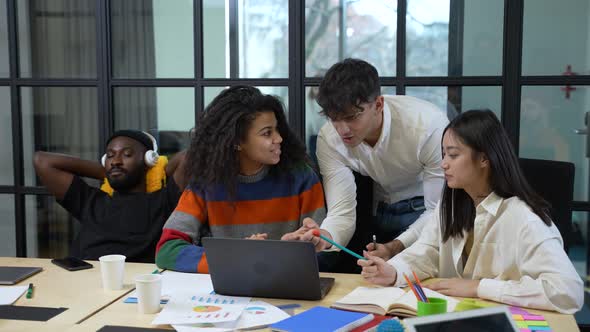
112	268
149	292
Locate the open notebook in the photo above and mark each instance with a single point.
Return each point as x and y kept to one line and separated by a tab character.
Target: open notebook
387	301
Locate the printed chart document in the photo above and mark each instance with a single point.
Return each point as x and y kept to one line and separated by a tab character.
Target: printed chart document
10	294
387	301
201	308
257	314
178	282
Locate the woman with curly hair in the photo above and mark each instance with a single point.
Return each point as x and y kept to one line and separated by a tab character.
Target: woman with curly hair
250	178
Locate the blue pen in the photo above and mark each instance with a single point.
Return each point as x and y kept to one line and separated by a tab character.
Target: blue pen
316	232
420	291
289	306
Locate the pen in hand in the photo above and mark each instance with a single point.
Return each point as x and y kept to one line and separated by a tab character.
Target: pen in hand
30	291
374	242
316	232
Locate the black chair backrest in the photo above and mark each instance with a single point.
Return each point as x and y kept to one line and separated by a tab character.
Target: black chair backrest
554	181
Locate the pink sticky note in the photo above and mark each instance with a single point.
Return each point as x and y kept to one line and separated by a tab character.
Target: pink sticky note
518	311
524	330
533	317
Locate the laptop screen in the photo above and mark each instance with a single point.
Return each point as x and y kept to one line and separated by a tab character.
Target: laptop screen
491	323
263	268
493	319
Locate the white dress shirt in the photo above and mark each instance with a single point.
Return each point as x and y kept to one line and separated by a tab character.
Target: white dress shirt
404	163
518	258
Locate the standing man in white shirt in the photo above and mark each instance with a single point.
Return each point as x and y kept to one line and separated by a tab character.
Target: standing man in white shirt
393	139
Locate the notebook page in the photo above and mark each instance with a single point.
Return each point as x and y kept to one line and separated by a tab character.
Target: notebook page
10	294
382	296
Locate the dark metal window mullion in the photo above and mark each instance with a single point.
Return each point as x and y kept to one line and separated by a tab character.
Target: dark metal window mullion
297	66
400	48
511	69
455	54
198	42
103	58
17	131
234	41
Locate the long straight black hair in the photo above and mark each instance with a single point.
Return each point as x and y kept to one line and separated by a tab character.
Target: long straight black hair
483	133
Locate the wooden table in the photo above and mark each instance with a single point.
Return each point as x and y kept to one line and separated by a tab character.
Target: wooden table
90	307
120	313
79	291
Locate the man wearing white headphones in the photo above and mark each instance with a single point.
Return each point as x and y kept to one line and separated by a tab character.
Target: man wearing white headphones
130	221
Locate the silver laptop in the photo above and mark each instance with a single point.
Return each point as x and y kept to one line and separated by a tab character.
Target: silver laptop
493	319
265	268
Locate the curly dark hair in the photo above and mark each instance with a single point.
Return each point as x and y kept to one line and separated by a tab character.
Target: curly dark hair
346	84
212	158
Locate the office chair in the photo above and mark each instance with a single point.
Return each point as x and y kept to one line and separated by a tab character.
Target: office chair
554	181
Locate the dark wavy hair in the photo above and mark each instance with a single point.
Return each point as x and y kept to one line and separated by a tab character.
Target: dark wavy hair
483	133
347	84
212	158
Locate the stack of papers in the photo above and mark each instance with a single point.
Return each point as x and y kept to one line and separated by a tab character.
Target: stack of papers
257	314
191	306
201	308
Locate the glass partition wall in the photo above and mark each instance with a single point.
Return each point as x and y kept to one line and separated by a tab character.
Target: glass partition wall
73	71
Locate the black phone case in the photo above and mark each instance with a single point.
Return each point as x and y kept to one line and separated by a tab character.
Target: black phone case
71	268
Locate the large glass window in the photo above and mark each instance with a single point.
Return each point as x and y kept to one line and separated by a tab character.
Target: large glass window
215	39
6	162
427	37
263	30
50	228
548	117
483	26
56	119
281	92
547	123
7	226
57	39
456	99
260	40
556	36
152	39
363	29
167	113
4	64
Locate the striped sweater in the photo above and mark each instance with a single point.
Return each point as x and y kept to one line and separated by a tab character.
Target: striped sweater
263	203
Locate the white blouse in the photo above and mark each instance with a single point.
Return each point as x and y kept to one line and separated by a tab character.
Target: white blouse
518	258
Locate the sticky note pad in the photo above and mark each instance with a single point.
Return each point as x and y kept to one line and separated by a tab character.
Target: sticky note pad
517	317
521	324
531	323
533	317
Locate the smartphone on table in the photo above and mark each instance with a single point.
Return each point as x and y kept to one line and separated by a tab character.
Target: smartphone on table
71	263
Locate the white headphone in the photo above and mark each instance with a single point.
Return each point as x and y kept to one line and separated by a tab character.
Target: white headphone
150	157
